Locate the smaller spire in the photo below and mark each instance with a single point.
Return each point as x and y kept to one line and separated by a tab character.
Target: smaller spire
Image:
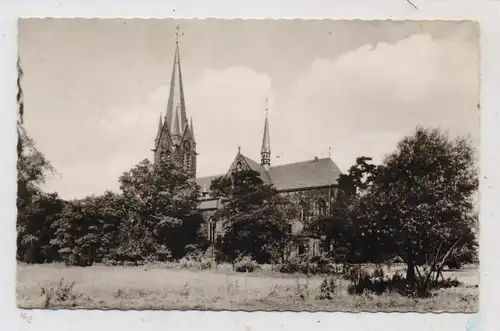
159	132
239	149
176	128
329	151
191	127
265	151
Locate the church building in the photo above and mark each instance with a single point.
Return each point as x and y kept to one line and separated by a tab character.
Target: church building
311	184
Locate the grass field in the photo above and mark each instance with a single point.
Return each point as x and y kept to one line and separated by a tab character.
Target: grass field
161	287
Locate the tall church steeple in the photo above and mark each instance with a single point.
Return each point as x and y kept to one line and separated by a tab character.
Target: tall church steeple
176	137
265	151
176	105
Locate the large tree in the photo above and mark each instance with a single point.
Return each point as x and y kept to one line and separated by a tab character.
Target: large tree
252	217
421	203
35	209
86	230
343	235
161	209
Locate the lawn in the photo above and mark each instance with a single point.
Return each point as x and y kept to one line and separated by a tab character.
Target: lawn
165	287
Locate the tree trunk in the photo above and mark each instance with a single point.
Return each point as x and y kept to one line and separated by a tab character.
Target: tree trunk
410	271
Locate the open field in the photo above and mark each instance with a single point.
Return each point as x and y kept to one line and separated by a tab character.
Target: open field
160	287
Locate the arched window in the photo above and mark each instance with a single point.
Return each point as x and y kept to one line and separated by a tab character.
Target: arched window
303	210
301	249
321	207
212	227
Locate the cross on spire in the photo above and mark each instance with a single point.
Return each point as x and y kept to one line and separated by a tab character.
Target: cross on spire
178	33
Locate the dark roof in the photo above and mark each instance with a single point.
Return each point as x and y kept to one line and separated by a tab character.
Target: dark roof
307	174
205	182
255	166
292	176
208	204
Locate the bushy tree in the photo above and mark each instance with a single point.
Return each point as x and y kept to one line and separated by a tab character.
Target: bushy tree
252	217
35	228
86	230
161	210
421	203
35	210
341	228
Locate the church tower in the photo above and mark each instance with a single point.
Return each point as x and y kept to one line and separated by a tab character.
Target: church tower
265	151
175	136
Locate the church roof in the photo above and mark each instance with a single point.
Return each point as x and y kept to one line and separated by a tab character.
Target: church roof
255	166
291	176
306	174
208	204
205	182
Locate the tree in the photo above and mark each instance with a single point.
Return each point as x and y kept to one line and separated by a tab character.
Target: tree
35	228
161	202
35	209
86	230
421	203
341	227
252	217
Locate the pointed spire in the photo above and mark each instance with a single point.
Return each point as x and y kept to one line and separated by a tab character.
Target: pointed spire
160	127
158	134
266	144
191	128
176	106
160	124
175	128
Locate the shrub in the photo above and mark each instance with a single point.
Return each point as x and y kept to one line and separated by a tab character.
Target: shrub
454	264
327	289
315	265
60	292
206	263
377	282
246	264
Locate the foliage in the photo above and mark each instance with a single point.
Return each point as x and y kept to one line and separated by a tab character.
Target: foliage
327	289
342	236
313	265
59	292
35	228
246	264
161	219
253	223
420	205
378	282
86	231
36	210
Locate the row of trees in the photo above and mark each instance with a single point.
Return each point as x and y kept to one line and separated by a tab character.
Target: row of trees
153	218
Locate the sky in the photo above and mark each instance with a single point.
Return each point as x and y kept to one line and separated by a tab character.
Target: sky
94	89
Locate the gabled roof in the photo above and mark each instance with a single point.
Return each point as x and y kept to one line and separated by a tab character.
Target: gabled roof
205	182
292	176
209	204
255	166
307	174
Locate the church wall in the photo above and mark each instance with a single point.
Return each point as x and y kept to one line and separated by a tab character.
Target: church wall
305	205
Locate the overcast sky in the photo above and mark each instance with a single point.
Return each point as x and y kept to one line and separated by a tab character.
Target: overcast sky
94	89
